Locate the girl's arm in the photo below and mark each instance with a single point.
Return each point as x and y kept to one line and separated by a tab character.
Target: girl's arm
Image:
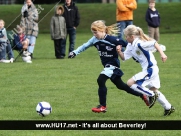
81	48
120	53
163	56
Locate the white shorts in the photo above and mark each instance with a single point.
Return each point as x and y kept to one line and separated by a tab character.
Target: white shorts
148	78
112	71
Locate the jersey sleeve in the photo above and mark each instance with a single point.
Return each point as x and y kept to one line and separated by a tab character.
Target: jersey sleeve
84	46
127	53
148	45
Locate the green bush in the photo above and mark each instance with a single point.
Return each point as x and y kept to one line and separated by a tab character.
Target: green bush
170	22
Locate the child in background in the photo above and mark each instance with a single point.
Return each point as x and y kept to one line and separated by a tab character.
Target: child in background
20	41
58	32
153	20
5	45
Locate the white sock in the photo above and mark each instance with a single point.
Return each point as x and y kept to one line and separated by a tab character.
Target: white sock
142	90
163	101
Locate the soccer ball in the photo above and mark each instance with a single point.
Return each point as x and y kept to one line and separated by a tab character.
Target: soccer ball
43	108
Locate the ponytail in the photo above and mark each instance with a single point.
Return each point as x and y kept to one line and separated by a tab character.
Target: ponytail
112	30
143	36
99	25
137	32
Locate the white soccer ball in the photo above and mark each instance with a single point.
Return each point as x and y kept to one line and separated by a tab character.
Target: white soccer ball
27	59
43	108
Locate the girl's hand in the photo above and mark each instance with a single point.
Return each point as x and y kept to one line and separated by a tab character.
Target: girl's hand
118	48
164	57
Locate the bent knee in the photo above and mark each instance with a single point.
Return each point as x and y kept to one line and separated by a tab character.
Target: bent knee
130	82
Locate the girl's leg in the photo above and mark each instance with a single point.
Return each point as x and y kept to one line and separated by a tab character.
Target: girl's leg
168	108
122	86
163	101
131	83
102	92
152	95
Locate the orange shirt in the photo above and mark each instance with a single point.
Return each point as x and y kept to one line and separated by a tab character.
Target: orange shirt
124	10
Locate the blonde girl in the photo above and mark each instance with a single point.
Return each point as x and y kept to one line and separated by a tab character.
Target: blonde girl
147	81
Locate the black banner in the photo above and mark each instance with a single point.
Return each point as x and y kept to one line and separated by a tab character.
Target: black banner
90	125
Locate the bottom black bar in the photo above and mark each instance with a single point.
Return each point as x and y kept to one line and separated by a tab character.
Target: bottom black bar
90	125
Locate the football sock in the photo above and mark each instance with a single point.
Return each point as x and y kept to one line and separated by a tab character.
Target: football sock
102	92
122	86
163	101
142	90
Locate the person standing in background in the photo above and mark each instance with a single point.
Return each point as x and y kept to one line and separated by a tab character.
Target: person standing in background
152	18
29	20
72	18
124	14
58	31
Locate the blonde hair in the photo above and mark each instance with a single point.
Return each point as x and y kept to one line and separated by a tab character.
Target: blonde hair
99	25
137	32
2	21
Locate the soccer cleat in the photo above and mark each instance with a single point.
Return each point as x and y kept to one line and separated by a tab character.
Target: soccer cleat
145	98
99	109
152	99
168	112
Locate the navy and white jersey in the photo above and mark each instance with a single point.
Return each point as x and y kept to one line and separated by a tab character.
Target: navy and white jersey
106	49
152	18
141	51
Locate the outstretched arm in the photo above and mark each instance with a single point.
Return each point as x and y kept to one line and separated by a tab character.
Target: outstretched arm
81	48
163	56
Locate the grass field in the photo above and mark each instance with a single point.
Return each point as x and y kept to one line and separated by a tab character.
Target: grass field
70	87
70	84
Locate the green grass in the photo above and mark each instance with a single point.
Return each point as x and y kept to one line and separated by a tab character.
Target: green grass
70	87
170	22
70	84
